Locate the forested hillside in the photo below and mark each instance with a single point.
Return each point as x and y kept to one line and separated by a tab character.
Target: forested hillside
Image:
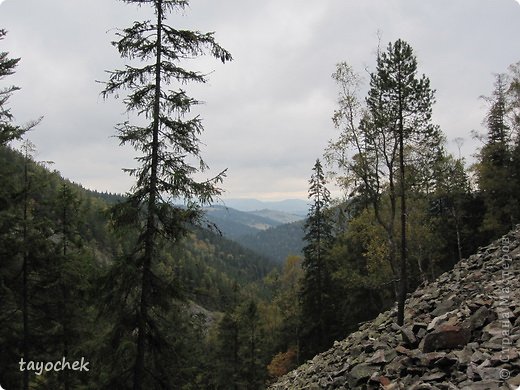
273	234
64	219
234	223
276	243
205	258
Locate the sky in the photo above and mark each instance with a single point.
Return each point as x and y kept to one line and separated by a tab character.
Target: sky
267	114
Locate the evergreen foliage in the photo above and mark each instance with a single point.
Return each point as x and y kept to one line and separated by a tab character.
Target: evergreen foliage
72	249
389	136
8	131
144	294
496	166
316	284
400	105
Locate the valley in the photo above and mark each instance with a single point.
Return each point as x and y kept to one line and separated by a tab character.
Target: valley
272	233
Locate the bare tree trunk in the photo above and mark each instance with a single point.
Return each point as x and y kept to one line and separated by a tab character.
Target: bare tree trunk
403	279
65	297
25	271
150	233
457	229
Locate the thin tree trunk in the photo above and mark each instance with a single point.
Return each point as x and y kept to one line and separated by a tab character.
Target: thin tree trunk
235	354
320	279
253	357
150	233
25	294
65	297
297	345
403	280
457	229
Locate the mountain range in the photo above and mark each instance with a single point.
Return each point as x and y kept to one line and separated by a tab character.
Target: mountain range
290	206
273	233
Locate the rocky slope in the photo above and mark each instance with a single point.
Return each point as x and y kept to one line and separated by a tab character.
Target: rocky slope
461	332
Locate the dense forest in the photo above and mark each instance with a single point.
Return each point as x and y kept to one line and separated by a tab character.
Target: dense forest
144	289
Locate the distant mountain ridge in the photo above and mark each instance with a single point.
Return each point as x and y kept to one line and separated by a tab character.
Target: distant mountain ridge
290	206
278	216
234	223
278	242
270	233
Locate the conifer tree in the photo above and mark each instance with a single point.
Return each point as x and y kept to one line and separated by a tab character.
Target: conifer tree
400	104
11	327
227	354
452	190
495	167
513	94
316	282
23	242
250	320
8	131
63	283
26	269
167	142
393	139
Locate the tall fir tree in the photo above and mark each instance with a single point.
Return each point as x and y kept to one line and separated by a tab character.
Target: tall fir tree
252	375
513	93
495	166
63	284
227	354
316	281
452	193
8	131
168	142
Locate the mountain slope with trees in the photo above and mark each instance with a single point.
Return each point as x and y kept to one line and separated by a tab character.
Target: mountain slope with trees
457	334
448	209
234	223
276	243
264	231
73	245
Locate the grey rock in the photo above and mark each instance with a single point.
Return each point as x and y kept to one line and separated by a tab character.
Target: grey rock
360	373
408	336
483	385
444	307
446	337
480	318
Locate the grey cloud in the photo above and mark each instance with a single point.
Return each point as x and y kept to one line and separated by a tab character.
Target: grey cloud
267	114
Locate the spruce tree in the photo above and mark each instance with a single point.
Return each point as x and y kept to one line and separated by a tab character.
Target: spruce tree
495	167
62	285
513	94
167	142
251	361
8	131
10	282
227	359
316	281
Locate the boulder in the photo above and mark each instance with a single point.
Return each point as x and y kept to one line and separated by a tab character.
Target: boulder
446	337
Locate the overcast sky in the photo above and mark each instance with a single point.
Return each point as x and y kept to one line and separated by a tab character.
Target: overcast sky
267	114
